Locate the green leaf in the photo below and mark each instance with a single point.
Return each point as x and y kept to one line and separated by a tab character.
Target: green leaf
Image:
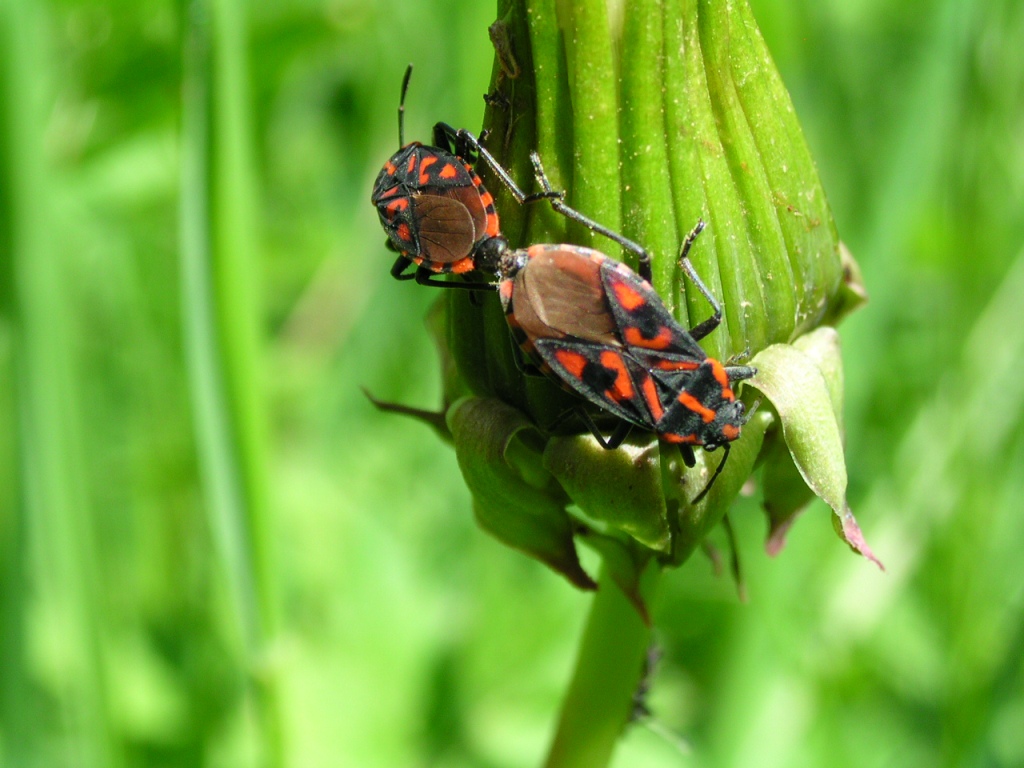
513	498
794	384
433	419
785	492
696	521
823	348
621	488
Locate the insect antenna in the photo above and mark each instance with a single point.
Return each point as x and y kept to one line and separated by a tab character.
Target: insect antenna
721	466
401	107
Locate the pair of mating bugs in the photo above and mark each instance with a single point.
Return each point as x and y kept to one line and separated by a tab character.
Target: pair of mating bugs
591	323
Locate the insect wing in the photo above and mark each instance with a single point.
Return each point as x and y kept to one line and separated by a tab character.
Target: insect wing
645	325
445	228
437	168
559	293
604	375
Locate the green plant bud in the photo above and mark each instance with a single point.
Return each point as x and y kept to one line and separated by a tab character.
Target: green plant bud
511	498
620	489
651	120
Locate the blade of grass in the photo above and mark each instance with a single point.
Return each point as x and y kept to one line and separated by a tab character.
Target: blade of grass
49	562
218	227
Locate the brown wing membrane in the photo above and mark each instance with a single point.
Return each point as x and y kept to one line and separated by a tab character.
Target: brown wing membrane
559	293
469	196
445	228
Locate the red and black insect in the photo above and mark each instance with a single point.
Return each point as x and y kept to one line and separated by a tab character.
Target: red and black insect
603	332
434	207
593	324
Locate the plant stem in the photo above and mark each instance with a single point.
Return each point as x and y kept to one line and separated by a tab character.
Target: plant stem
49	575
218	229
599	701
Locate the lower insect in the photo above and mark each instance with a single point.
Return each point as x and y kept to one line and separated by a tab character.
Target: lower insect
601	330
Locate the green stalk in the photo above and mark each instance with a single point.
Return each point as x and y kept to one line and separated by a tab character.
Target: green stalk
649	120
598	704
48	550
221	312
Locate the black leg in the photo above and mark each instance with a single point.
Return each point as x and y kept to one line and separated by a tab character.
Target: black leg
424	276
705	327
613	441
557	202
688	458
465	143
398	269
523	364
444	137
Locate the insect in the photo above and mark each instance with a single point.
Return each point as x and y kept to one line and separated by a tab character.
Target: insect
602	331
434	207
588	321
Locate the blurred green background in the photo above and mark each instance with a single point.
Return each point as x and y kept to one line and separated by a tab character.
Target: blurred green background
382	627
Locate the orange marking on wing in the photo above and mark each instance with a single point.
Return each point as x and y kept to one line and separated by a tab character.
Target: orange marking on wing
412	165
573	362
493	227
622	388
730	432
676	365
719	373
398	204
403	233
629	299
390	192
651	398
427	162
390	168
633	337
448	172
691	402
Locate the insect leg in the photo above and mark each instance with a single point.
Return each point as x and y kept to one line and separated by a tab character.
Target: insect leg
557	202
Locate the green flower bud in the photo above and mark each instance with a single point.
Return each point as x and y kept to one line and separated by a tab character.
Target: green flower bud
650	120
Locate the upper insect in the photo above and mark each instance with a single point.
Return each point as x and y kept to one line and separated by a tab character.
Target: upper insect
435	209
